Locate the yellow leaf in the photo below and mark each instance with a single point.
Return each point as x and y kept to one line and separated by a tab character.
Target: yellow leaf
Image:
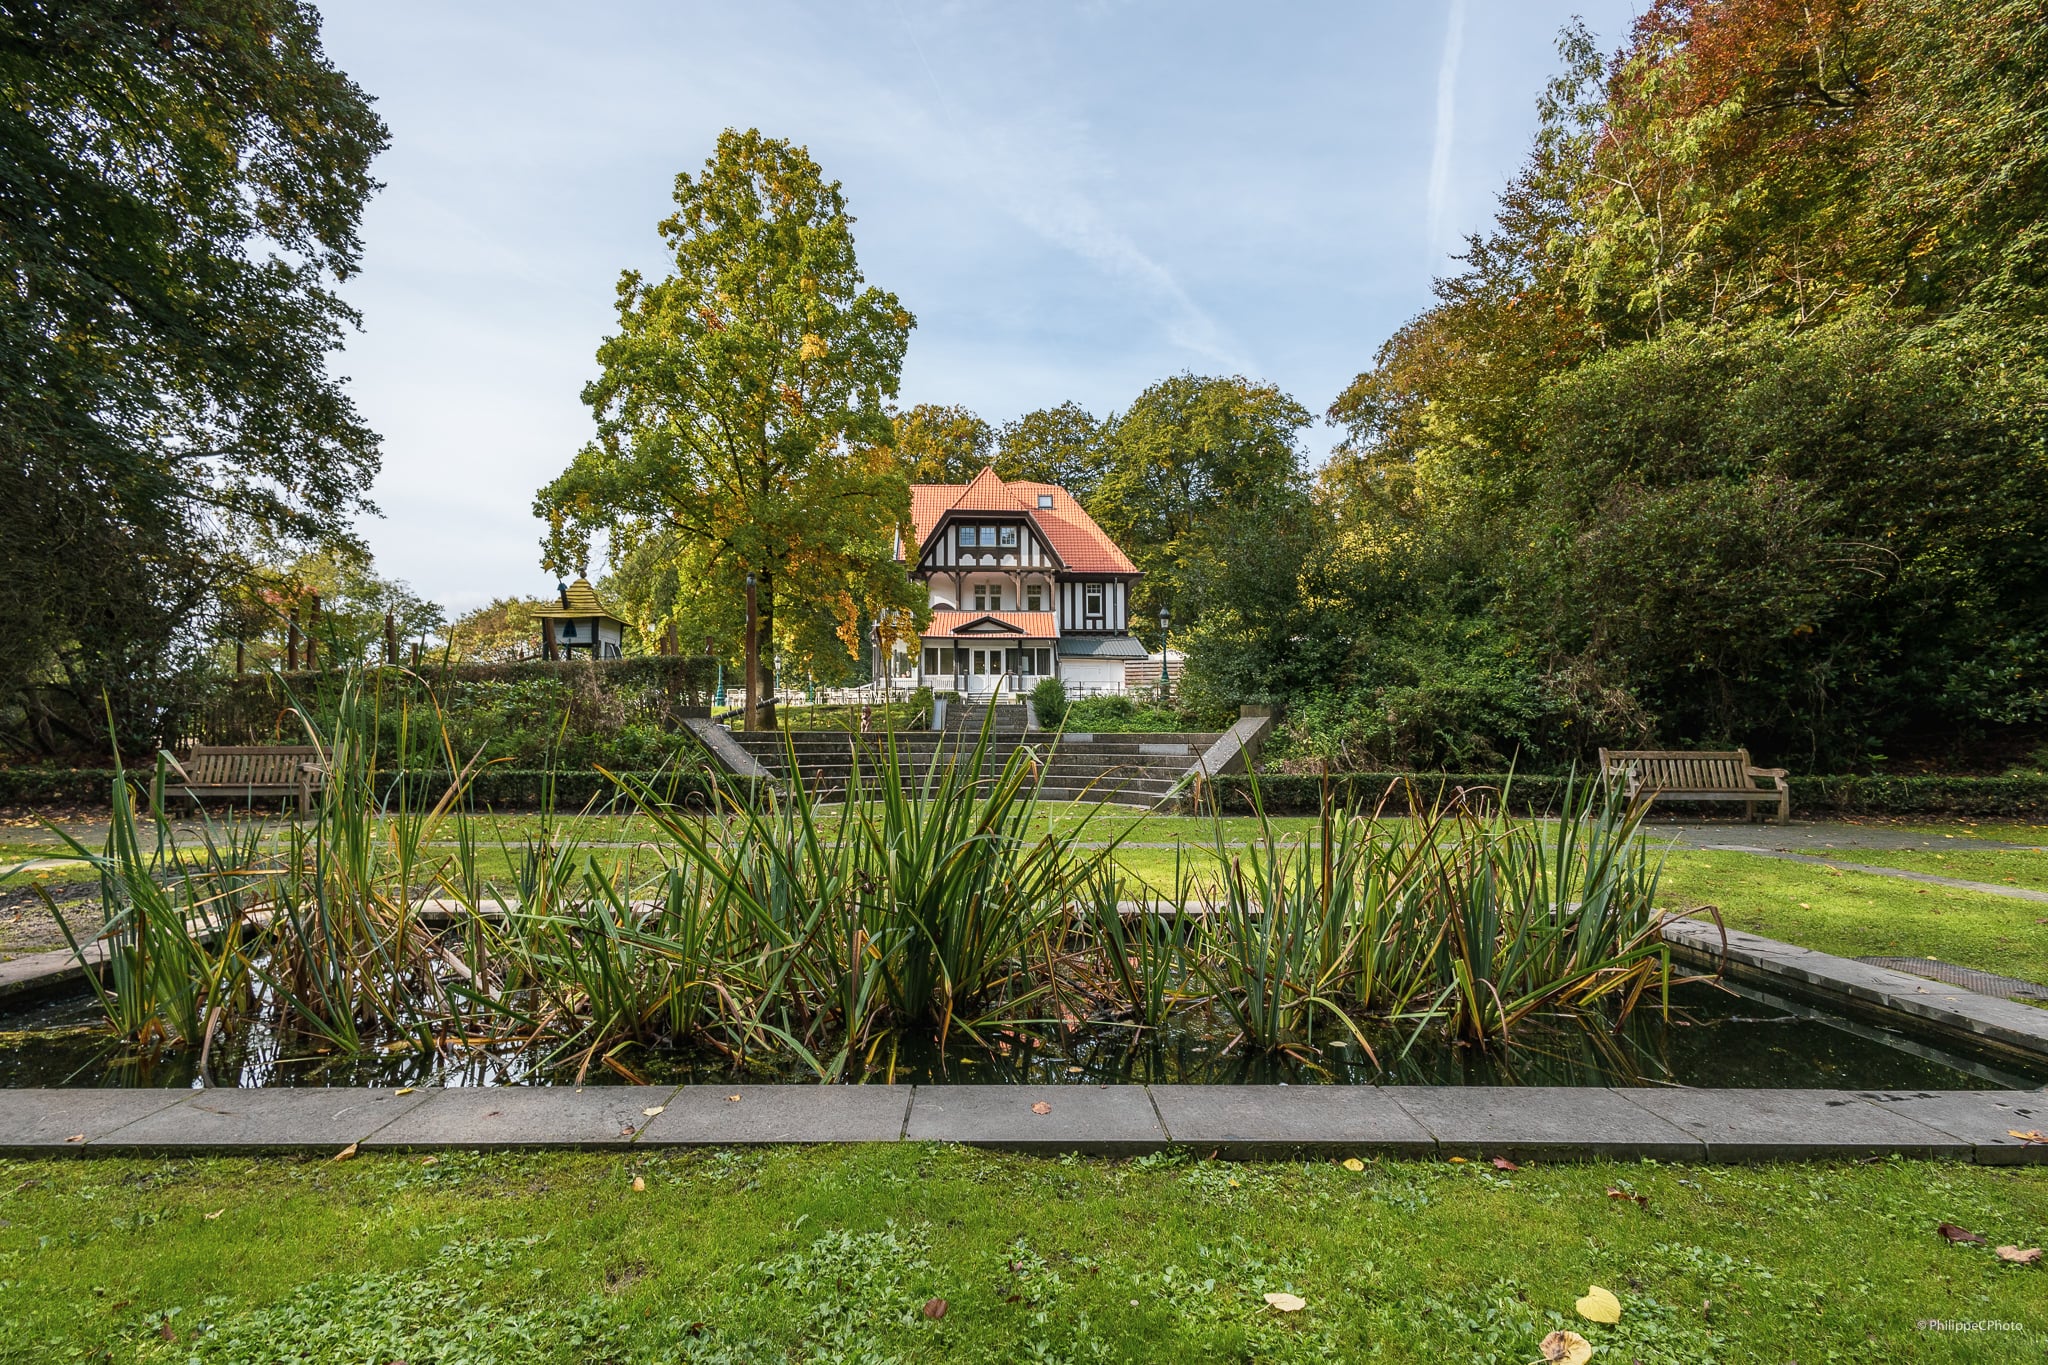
639	1183
215	1214
1459	1161
1286	1303
650	1113
1600	1306
732	1099
1354	1164
345	1153
405	1090
2019	1257
1566	1348
1041	1108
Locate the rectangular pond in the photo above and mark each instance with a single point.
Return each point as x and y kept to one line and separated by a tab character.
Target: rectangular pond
1714	1035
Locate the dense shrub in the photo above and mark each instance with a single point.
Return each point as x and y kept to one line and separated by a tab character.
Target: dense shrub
1049	700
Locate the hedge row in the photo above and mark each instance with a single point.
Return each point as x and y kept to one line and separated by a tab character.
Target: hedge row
502	788
525	789
1983	797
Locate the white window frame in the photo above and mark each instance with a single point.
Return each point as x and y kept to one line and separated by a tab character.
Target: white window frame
967	537
1094	601
1007	536
1034	598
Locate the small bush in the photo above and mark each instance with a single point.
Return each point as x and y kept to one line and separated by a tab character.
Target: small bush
1049	700
1112	715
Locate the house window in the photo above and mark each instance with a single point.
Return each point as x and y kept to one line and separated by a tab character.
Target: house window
988	535
931	658
981	662
1045	661
1034	599
967	537
1009	535
1091	597
1045	502
988	597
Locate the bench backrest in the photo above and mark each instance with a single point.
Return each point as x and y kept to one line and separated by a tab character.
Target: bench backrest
1660	770
247	765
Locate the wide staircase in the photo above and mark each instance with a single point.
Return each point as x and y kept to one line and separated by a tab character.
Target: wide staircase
1126	769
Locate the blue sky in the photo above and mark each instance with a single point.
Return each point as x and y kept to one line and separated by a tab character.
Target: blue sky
1074	199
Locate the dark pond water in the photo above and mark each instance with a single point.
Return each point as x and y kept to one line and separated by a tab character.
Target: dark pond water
1712	1037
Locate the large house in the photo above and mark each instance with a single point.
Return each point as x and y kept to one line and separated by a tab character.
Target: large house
1024	585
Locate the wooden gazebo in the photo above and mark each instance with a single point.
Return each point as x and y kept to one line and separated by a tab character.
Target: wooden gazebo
579	624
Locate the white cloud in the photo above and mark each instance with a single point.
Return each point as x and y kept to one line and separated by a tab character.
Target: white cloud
1446	126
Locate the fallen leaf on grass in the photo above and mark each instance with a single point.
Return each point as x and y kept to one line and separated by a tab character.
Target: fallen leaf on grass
218	1212
430	1161
1501	1163
1459	1161
345	1153
650	1113
1041	1108
1956	1234
639	1184
1354	1164
1600	1306
2028	1257
935	1309
1286	1303
1565	1348
1642	1199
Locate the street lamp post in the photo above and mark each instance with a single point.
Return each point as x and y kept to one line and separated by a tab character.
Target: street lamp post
1165	663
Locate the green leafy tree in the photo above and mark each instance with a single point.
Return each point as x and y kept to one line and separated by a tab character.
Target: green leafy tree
1061	445
942	444
182	185
742	426
1190	460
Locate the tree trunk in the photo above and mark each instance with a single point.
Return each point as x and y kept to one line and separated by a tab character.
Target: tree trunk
760	668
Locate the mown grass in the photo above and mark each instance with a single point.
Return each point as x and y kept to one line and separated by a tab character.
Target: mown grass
1999	867
831	1254
1862	914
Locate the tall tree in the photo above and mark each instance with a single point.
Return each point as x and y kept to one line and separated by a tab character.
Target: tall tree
180	187
741	412
1060	445
1190	457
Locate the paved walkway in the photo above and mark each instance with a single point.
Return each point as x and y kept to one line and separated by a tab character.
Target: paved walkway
1524	1124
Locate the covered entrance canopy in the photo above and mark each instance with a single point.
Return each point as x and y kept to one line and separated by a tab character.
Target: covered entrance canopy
991	651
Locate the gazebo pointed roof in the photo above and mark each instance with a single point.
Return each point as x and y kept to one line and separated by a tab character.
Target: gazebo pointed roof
578	600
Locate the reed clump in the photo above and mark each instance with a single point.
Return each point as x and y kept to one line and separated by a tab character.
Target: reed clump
930	905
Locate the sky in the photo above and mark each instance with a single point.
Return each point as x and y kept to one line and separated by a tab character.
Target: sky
1074	199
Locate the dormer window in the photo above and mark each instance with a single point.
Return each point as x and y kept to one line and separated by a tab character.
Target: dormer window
1009	535
988	536
1091	599
967	537
1045	502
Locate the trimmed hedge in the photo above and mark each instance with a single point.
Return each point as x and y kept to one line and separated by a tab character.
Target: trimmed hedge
1984	797
503	788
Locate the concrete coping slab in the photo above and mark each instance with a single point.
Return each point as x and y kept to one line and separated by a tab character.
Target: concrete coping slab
1768	1125
1997	1125
759	1115
54	1121
486	1118
1038	1118
234	1121
1543	1123
1265	1120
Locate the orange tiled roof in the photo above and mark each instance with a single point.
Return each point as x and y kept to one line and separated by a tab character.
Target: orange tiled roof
1035	624
1081	545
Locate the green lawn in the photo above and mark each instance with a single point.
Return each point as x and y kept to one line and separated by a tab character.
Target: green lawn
831	1254
2000	867
1860	914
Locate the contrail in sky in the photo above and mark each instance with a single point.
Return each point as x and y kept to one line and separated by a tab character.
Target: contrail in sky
1446	120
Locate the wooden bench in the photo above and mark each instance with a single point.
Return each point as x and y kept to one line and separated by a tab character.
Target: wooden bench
1725	775
244	772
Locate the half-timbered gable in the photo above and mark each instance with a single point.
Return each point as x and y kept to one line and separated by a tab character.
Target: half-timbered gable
1024	560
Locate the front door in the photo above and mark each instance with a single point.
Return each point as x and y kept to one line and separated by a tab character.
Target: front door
984	670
